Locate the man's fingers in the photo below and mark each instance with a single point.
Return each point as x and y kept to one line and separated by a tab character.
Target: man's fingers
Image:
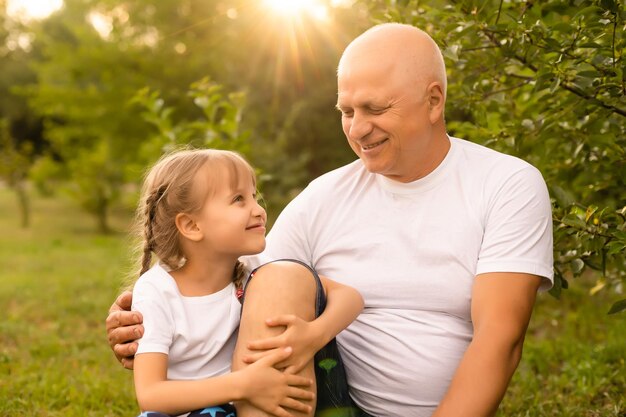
125	350
128	363
295	405
122	302
123	318
124	334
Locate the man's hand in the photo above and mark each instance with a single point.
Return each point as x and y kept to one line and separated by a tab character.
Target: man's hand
124	327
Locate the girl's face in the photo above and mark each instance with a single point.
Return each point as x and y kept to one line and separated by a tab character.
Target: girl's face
232	221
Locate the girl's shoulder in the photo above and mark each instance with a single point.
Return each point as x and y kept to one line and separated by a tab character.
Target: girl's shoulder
156	283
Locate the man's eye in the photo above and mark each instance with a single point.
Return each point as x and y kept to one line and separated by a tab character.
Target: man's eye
347	113
377	111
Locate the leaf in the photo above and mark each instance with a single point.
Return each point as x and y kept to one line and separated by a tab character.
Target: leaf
577	266
563	27
452	52
610	5
591	11
618	306
593	45
573	220
599	285
327	364
590	211
563	198
559	284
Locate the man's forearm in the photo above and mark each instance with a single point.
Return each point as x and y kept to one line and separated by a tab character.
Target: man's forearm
482	378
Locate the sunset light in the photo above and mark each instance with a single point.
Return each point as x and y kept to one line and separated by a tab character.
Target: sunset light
32	9
293	8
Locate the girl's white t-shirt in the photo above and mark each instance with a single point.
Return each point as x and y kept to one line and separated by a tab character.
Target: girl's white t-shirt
197	333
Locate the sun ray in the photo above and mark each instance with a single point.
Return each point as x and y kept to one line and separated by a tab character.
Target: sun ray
32	9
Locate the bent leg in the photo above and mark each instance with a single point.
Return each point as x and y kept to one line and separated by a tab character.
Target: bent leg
277	288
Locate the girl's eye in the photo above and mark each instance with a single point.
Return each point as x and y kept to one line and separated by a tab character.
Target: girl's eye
238	198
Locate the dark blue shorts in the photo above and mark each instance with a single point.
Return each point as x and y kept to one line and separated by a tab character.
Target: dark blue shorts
224	410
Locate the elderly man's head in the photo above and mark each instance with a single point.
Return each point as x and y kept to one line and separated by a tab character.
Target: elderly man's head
391	93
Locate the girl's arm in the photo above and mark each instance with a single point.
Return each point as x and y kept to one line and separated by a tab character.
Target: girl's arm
268	389
343	305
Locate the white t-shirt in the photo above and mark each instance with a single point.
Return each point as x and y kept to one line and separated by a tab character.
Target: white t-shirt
197	333
412	250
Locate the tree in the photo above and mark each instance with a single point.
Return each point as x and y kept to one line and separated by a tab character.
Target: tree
545	81
15	162
95	56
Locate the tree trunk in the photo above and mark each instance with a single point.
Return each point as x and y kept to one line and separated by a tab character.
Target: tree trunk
102	217
23	203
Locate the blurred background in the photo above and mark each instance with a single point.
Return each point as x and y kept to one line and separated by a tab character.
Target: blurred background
94	91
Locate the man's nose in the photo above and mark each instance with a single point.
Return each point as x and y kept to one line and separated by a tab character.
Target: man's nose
360	126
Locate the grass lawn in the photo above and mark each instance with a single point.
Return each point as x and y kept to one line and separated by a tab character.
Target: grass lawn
58	278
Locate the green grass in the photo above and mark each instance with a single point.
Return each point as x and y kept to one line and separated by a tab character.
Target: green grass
574	359
58	279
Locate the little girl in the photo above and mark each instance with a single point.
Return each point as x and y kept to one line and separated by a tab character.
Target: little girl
198	214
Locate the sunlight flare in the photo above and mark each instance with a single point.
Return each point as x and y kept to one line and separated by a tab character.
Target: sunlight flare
32	9
293	8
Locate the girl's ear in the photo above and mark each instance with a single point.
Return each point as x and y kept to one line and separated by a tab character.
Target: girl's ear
187	227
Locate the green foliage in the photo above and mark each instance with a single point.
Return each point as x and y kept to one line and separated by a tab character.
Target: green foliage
219	125
544	81
573	365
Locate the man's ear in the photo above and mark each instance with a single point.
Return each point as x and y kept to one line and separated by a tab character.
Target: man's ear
436	102
188	227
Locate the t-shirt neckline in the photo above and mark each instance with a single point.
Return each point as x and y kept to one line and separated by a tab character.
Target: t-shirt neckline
424	183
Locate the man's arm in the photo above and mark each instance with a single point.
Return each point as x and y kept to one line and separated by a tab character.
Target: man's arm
502	304
124	327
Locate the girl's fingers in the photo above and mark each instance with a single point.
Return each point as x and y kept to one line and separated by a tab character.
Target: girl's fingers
296	405
300	394
281	412
289	369
298	381
253	357
264	344
277	355
284	320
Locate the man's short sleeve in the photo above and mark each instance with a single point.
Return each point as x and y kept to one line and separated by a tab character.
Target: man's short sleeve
518	228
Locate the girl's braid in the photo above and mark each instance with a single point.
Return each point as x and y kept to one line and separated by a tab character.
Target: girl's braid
239	273
152	203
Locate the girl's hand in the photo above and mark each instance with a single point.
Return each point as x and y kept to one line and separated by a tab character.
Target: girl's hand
274	391
299	334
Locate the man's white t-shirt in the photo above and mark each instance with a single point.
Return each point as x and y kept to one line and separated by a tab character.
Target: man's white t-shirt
197	333
413	250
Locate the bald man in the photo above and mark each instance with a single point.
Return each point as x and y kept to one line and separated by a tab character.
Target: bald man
447	241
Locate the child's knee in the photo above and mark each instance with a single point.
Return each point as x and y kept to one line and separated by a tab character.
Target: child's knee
285	279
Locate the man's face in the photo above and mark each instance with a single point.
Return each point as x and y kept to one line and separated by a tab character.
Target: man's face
385	117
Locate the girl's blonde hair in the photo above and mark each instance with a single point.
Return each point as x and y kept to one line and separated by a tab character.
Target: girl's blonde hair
169	188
